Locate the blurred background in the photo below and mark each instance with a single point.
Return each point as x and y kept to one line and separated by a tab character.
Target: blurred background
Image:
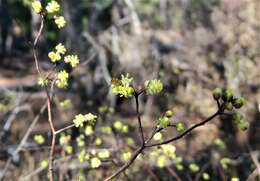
193	46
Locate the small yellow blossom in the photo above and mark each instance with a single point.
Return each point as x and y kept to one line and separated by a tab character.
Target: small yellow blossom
53	7
89	130
126	155
98	141
62	79
125	129
104	154
69	149
161	161
83	156
73	60
44	163
91	118
60	21
79	120
118	125
54	56
64	139
37	6
42	82
106	129
60	48
157	136
39	139
95	162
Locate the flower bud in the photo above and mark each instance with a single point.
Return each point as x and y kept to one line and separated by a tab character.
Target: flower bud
217	93
180	127
229	106
239	102
237	117
228	95
243	125
169	113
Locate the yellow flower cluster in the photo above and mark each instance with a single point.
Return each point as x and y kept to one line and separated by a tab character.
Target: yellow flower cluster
95	162
39	139
37	7
52	7
80	119
54	56
119	126
42	82
60	49
73	60
60	21
62	79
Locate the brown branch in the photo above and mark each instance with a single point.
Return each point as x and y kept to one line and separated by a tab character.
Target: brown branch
49	107
127	164
63	129
187	131
136	96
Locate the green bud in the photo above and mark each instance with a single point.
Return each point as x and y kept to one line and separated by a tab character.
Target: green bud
228	95
180	127
164	122
243	125
237	117
217	93
229	106
239	102
194	167
169	113
205	176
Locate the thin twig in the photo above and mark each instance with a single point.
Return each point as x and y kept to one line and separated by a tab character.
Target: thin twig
49	108
139	117
63	129
187	131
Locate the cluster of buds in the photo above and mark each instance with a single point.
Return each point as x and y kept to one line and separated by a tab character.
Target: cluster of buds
231	102
229	99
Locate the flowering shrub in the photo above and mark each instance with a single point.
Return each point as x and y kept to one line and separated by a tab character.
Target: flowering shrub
93	128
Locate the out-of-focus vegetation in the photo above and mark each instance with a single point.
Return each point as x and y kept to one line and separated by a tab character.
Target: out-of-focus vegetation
192	46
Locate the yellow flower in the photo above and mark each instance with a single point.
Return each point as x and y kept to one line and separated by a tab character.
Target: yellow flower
125	129
54	56
62	79
95	162
52	7
39	139
126	155
118	125
73	60
37	6
60	21
44	163
91	118
98	141
79	120
157	136
82	156
104	154
60	48
42	82
161	161
89	130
